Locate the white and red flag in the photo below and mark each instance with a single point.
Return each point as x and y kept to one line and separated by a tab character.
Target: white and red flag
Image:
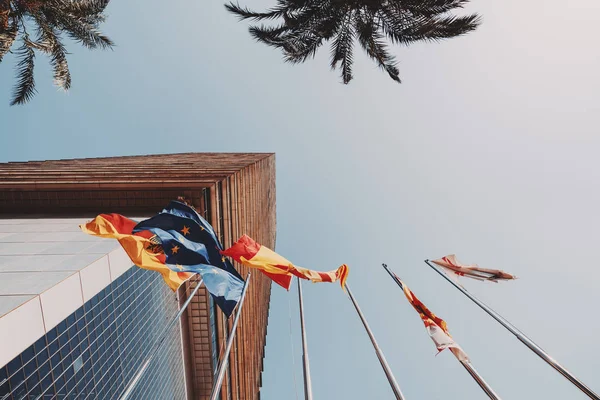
451	265
436	327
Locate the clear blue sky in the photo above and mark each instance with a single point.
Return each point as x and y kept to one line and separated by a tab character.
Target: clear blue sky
487	150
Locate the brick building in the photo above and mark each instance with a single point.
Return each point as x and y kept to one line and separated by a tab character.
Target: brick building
77	319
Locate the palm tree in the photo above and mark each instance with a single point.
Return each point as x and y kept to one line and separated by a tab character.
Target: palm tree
49	19
305	25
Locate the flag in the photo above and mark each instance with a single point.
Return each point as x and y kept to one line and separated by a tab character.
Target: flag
450	264
436	327
139	247
190	245
253	255
176	244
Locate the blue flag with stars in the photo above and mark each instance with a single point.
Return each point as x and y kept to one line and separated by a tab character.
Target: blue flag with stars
190	245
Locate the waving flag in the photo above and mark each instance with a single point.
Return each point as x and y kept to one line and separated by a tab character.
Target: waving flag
182	242
450	264
253	255
139	247
436	327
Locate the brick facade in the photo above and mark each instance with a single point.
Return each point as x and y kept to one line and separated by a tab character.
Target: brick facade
234	191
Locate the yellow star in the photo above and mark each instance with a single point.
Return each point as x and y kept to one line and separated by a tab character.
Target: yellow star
179	267
223	258
185	230
175	249
202	228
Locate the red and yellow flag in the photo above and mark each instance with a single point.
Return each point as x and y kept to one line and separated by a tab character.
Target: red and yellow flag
451	264
115	226
253	255
436	327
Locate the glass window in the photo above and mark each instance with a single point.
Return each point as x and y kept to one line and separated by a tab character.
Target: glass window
71	320
32	381
30	367
62	327
4	389
42	356
44	370
100	347
16	382
4	384
47	385
14	365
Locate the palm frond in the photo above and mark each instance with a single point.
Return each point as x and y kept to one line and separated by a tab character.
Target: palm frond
430	8
448	27
7	38
341	49
305	25
58	59
50	39
272	36
81	28
372	42
24	89
302	48
84	8
88	35
79	19
246	13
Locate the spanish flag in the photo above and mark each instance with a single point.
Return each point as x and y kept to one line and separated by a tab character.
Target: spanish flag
451	265
253	255
436	327
138	246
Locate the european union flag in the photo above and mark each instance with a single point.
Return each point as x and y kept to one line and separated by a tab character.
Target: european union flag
190	245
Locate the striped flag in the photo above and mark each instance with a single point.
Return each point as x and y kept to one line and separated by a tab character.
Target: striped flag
436	327
177	243
450	264
138	246
254	255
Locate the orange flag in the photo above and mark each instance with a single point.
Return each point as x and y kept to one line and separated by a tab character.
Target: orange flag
136	245
254	255
450	264
436	327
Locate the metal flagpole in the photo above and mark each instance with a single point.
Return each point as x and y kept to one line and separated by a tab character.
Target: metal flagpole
306	368
480	381
157	345
522	337
467	364
384	364
223	366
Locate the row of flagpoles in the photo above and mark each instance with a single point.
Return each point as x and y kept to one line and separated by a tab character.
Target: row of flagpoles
178	243
444	340
522	337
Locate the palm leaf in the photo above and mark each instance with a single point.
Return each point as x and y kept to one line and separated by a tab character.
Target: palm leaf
305	25
245	13
84	8
24	89
372	42
88	35
7	38
341	48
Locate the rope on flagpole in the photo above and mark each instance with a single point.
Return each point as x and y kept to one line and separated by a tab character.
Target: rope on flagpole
157	345
521	336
